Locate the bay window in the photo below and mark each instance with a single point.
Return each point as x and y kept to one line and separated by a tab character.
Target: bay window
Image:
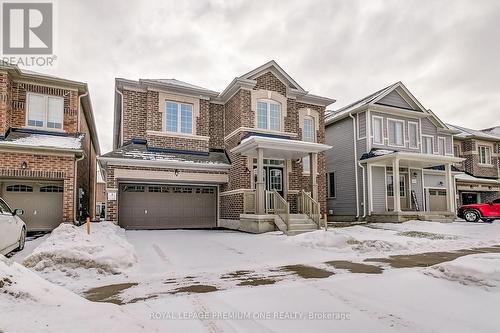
45	111
428	145
412	134
396	132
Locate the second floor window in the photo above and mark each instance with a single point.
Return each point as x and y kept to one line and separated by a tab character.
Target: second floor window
413	135
45	111
428	145
308	135
268	115
442	146
485	155
396	132
179	117
378	136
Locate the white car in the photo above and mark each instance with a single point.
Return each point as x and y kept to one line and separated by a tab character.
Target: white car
12	229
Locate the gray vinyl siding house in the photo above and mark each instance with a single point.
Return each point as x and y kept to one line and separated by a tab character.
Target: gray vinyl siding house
384	136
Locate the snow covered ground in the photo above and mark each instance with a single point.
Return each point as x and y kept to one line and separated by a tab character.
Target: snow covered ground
258	281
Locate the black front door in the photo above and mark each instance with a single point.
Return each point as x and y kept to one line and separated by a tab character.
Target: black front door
273	178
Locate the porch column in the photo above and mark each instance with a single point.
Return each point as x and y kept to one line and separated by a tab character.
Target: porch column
313	168
450	190
395	185
260	187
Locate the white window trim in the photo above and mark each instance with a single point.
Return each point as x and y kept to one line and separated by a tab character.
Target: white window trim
410	123
399	185
268	102
179	131
479	146
328	184
441	138
389	132
459	149
432	144
381	130
45	121
313	125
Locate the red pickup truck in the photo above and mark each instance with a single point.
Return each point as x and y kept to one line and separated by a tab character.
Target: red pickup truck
486	212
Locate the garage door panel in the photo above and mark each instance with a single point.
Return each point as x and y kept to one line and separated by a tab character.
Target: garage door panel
42	202
167	206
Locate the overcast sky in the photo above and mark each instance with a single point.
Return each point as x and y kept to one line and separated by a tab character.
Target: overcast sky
446	52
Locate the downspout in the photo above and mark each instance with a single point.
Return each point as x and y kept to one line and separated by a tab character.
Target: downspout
75	186
355	163
364	189
121	118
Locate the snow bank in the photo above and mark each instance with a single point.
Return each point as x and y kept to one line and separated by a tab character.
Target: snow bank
342	240
32	304
69	249
476	269
322	239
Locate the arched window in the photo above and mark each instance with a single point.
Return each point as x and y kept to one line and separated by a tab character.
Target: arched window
269	115
19	188
52	189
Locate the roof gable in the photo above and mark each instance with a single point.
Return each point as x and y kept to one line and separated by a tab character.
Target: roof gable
395	99
394	96
275	69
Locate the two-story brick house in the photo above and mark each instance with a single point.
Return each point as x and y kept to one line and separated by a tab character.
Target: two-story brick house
48	147
189	157
481	150
392	159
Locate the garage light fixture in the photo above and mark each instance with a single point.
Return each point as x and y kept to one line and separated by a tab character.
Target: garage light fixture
24	165
176	172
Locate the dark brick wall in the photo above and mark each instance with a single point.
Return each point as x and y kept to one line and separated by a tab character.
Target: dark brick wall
216	126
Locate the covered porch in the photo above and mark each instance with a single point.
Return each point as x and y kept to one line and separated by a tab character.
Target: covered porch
404	185
273	157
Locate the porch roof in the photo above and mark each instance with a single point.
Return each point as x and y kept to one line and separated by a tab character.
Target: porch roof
408	159
278	147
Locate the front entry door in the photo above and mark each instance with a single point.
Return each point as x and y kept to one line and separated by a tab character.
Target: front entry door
273	178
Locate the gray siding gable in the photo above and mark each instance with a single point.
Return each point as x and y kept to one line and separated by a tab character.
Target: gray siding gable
395	99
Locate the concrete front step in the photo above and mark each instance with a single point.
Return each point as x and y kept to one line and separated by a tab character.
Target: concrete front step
435	218
308	226
297	232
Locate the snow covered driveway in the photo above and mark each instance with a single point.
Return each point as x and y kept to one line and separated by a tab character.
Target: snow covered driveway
343	279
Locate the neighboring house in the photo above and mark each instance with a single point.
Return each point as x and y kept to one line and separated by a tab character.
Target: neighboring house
480	180
189	157
391	159
48	147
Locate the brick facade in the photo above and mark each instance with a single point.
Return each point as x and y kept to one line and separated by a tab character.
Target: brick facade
54	165
44	167
470	151
225	124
